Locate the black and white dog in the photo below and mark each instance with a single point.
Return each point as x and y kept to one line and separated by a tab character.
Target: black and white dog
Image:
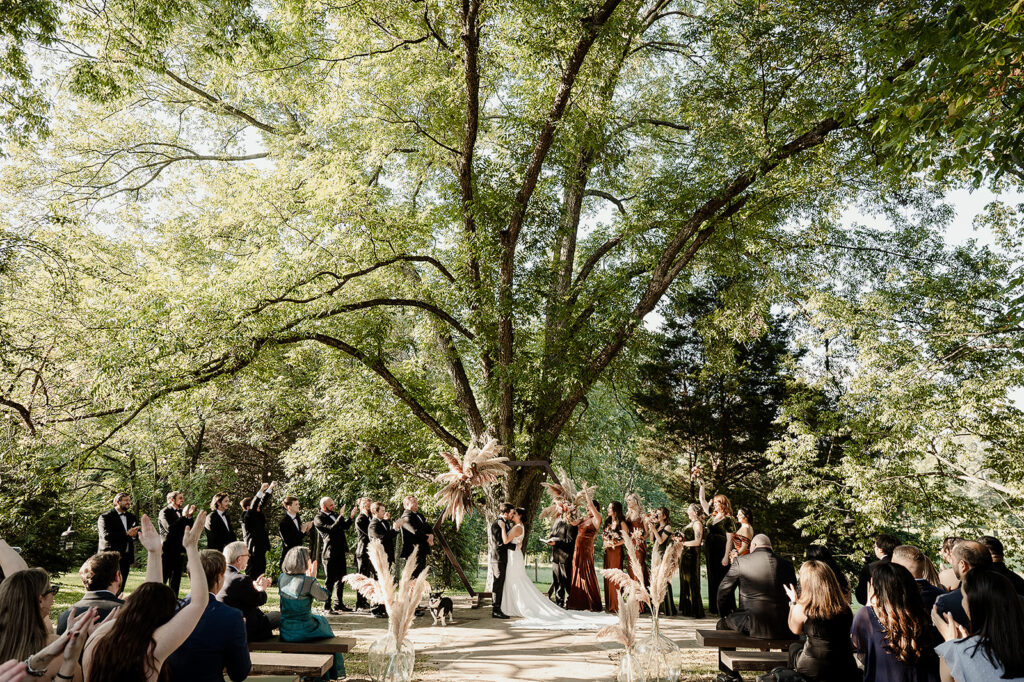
441	608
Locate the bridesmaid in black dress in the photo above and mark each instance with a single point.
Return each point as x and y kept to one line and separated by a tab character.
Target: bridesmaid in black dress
720	529
661	538
691	603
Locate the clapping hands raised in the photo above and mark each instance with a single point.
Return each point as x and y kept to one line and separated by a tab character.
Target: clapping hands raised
947	627
148	536
262	583
192	535
790	592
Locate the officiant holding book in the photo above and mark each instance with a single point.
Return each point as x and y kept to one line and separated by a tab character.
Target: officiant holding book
563	543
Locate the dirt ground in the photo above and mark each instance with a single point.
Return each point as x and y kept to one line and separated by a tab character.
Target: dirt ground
478	647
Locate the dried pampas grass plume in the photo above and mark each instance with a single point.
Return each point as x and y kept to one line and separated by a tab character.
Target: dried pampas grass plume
479	467
623	632
400	601
663	567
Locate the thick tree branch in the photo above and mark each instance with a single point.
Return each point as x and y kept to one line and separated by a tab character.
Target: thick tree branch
604	195
218	103
510	236
691	236
22	411
378	368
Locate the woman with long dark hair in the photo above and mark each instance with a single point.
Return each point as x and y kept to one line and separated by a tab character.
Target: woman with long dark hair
691	603
992	650
822	614
892	634
824	555
611	537
133	644
744	534
662	538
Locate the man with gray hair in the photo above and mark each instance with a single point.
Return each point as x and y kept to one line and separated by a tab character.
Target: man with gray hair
247	594
761	576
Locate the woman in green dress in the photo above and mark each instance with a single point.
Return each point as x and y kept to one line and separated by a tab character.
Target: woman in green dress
690	601
298	588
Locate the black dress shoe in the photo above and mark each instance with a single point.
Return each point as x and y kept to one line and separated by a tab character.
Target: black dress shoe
342	607
498	614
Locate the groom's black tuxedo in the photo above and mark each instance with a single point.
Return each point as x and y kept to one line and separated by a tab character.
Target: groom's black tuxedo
498	556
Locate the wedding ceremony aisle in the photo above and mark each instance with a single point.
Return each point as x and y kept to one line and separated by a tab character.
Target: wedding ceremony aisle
478	647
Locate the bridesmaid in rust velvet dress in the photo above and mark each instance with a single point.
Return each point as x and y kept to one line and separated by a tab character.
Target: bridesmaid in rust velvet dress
584	594
614	527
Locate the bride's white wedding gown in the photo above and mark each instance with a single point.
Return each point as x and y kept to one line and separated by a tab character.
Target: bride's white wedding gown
522	599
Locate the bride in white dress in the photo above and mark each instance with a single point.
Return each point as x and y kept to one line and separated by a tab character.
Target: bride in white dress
522	599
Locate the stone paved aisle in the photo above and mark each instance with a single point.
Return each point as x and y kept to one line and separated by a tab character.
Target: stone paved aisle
478	647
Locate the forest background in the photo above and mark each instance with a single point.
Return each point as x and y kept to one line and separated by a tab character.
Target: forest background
294	240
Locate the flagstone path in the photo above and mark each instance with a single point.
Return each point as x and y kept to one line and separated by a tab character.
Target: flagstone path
478	647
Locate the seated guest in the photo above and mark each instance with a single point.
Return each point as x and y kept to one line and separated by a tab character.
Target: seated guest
824	555
891	635
26	598
966	556
297	588
56	660
995	548
914	560
761	576
247	594
884	545
947	577
822	613
991	650
218	642
136	641
101	575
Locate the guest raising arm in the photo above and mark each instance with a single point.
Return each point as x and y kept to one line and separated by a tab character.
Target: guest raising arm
822	613
134	643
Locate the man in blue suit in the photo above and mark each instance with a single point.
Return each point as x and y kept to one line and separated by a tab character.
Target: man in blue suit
218	642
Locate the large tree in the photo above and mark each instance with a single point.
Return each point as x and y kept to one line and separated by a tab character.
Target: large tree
455	215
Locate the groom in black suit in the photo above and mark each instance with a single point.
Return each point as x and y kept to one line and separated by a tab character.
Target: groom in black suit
499	558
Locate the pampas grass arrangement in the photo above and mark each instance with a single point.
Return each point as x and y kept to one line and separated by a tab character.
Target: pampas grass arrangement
400	601
479	467
567	493
663	567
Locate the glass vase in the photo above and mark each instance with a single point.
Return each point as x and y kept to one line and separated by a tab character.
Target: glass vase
630	669
659	656
390	663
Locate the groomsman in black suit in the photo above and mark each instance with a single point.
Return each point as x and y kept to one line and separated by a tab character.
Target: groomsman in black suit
293	530
416	534
383	531
117	531
254	529
497	554
219	533
332	525
563	544
363	565
174	519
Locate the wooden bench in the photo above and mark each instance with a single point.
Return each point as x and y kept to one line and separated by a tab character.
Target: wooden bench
303	665
728	641
763	661
331	645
